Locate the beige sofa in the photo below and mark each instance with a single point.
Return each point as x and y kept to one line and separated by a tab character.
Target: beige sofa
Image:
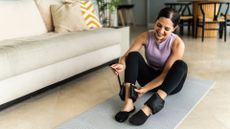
33	57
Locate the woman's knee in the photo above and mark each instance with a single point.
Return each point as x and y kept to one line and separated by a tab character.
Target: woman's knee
180	65
133	55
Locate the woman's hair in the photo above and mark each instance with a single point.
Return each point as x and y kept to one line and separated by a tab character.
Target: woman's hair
170	13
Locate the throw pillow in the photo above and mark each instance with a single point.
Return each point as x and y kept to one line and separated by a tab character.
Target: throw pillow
44	8
88	13
96	8
74	15
94	2
68	17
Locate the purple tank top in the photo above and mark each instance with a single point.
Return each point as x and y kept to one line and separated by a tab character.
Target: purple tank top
157	54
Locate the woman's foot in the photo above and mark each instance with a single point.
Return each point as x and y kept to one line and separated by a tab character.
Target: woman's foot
127	109
152	106
141	116
123	115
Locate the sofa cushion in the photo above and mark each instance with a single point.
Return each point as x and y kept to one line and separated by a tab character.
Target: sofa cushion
20	18
26	54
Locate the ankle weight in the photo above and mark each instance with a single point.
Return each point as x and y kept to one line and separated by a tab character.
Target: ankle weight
132	93
155	103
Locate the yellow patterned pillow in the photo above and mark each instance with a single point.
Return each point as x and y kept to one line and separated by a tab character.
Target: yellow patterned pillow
89	16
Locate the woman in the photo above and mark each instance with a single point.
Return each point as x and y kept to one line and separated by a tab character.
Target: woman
163	74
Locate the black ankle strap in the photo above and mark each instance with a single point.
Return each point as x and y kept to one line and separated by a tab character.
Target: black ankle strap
132	93
119	80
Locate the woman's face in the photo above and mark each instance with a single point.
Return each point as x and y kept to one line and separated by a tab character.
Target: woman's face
163	27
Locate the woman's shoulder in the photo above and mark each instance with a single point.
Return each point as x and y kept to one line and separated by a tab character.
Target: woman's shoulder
144	34
176	38
178	41
141	39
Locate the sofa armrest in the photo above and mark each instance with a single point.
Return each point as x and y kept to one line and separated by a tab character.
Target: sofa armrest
125	39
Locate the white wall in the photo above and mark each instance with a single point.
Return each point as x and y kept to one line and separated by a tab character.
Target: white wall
153	7
139	10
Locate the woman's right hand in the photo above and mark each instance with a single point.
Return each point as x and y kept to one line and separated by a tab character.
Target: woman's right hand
140	91
118	68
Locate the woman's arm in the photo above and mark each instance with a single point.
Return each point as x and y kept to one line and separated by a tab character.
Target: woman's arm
136	46
176	54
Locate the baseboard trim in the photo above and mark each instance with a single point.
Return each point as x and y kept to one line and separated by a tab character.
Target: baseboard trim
47	88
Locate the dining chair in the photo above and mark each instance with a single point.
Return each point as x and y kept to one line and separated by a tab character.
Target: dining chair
227	16
212	17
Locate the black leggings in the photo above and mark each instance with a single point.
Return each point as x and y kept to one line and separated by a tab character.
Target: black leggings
138	70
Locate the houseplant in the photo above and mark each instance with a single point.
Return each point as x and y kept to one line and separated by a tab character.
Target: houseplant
108	12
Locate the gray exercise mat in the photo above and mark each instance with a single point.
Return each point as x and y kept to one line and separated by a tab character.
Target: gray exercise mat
176	108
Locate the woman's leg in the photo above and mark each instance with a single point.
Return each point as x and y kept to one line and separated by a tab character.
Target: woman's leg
175	78
172	84
134	62
136	69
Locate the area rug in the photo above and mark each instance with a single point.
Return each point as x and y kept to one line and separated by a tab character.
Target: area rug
177	107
